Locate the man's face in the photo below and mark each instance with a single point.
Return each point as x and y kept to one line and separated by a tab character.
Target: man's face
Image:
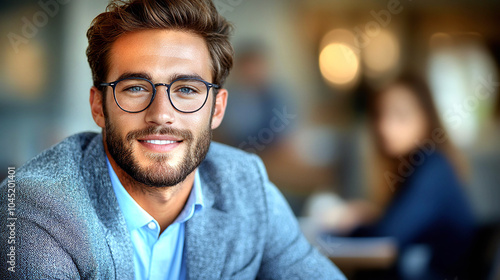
159	146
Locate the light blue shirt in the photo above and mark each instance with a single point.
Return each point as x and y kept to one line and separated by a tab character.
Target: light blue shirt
156	256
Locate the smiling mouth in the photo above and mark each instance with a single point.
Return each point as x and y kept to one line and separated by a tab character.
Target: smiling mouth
160	142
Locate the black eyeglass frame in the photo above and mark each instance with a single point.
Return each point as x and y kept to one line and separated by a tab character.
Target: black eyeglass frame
113	85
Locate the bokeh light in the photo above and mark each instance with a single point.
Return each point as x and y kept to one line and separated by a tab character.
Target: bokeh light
382	54
339	61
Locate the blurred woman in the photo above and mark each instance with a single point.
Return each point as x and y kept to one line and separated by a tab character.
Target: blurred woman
417	183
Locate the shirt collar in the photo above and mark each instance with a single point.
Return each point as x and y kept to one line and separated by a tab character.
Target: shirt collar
136	217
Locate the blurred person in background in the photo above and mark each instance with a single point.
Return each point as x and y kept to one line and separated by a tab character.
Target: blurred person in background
418	197
257	117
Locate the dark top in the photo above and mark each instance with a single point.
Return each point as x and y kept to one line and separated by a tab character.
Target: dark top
430	207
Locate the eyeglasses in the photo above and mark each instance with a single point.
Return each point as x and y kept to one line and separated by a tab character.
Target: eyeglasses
134	95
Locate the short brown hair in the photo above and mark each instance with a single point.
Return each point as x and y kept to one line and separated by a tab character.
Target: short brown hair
197	16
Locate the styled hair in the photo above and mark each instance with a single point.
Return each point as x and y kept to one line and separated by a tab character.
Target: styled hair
197	16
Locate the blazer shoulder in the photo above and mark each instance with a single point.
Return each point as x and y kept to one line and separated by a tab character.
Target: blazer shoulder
56	170
229	161
222	150
60	158
232	177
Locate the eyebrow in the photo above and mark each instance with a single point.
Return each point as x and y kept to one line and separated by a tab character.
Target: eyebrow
172	77
176	76
135	75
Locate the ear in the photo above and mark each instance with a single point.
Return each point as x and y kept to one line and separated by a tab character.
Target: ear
220	108
96	99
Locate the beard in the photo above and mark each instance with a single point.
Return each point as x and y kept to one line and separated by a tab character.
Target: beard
159	173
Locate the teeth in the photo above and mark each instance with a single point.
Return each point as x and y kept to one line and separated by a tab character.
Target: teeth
160	142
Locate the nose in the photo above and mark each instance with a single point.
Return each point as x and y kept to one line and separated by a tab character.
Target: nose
161	111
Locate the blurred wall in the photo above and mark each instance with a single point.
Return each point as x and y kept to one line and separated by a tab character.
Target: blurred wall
46	78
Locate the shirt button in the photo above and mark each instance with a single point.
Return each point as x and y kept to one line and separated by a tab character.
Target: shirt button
151	225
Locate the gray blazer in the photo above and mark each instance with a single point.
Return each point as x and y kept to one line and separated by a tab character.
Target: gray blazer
69	225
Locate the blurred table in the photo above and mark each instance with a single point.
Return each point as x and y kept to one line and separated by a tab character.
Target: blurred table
352	253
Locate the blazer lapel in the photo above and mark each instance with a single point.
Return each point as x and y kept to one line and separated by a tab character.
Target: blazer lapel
207	243
106	205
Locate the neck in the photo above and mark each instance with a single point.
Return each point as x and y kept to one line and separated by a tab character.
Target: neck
163	203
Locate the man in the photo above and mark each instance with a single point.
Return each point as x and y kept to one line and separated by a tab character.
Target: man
151	197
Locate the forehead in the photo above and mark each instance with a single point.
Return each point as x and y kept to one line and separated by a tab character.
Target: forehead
160	53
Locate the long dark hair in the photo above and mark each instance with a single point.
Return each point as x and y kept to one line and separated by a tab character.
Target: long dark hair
384	166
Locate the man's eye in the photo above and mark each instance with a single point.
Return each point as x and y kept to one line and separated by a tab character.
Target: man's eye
135	89
186	90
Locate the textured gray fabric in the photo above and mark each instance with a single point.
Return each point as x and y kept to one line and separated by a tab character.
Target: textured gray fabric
69	225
